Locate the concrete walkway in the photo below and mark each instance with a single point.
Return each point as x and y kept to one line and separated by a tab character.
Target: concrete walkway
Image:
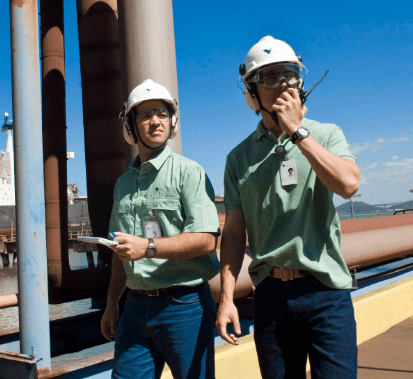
389	355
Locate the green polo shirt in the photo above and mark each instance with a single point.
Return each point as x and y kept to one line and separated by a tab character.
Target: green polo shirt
295	226
181	198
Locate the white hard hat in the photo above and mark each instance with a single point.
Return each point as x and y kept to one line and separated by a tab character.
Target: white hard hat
268	51
149	90
265	52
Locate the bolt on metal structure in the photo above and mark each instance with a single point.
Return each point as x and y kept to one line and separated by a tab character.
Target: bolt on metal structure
31	240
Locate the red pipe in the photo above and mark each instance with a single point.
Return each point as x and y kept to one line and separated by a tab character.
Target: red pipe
7	301
375	223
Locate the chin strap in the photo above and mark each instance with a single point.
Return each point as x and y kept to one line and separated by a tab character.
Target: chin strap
273	114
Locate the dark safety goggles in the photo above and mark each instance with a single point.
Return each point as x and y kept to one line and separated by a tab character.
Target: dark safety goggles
147	114
273	76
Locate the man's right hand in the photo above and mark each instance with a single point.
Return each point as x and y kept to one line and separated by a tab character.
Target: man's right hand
228	314
108	322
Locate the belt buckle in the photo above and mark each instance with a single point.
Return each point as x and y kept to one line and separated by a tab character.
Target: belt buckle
153	293
285	279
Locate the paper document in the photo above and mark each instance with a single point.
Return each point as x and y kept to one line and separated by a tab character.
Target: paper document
102	241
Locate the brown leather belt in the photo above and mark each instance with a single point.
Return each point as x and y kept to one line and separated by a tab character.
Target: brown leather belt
286	274
158	291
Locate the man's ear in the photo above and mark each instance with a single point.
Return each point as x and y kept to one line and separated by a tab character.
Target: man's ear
251	100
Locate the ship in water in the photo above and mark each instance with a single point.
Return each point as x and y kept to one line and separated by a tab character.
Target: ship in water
78	213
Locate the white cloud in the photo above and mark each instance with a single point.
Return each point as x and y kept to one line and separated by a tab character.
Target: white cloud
407	163
395	158
401	139
373	147
371	166
380	140
393	173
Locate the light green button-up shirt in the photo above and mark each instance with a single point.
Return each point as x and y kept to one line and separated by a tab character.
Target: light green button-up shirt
181	197
294	226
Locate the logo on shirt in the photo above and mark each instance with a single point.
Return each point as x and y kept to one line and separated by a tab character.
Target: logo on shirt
148	89
267	51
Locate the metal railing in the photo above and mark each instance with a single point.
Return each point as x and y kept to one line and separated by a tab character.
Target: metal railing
403	211
79	233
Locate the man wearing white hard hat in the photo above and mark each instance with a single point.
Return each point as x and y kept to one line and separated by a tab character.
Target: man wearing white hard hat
165	221
302	304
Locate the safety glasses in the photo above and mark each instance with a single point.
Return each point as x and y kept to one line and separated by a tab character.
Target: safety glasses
147	114
273	76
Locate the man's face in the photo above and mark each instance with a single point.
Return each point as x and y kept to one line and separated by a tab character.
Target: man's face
153	129
267	79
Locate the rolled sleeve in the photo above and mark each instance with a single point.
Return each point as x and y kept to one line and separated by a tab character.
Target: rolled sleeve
198	200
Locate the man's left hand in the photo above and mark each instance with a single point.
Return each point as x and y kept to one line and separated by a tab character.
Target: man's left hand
130	248
290	110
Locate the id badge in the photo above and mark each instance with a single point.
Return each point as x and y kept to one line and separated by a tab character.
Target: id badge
288	173
152	227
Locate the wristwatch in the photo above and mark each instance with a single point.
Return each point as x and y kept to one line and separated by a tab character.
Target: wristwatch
151	250
301	132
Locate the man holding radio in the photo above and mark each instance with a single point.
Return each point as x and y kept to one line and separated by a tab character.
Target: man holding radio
169	315
302	304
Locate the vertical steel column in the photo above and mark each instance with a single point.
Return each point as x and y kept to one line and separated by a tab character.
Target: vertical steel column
150	47
54	139
31	240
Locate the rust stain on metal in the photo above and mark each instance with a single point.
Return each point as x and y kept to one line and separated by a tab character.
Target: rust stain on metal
17	3
61	370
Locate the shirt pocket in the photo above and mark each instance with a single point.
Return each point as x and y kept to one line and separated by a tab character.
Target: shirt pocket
126	217
168	212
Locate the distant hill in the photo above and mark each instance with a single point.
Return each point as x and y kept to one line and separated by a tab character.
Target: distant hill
359	207
405	205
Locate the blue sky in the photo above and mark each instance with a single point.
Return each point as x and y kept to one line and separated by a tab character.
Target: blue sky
367	46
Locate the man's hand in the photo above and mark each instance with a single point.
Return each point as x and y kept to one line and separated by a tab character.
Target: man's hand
228	314
290	110
108	322
130	248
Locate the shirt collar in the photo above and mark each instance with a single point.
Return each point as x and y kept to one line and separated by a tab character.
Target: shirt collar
156	161
261	131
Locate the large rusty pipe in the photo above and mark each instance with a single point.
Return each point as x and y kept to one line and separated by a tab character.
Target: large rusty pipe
107	153
147	28
54	139
375	223
366	248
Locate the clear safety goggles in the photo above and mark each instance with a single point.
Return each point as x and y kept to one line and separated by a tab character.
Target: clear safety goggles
147	114
273	76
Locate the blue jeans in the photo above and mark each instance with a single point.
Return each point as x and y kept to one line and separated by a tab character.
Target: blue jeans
176	327
300	317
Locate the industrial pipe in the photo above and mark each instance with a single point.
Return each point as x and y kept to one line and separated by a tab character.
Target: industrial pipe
107	153
7	301
30	206
375	223
54	139
366	248
148	48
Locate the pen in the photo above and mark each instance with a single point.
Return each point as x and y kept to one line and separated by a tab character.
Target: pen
113	234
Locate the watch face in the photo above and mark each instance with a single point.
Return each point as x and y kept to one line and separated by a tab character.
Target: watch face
150	252
303	132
